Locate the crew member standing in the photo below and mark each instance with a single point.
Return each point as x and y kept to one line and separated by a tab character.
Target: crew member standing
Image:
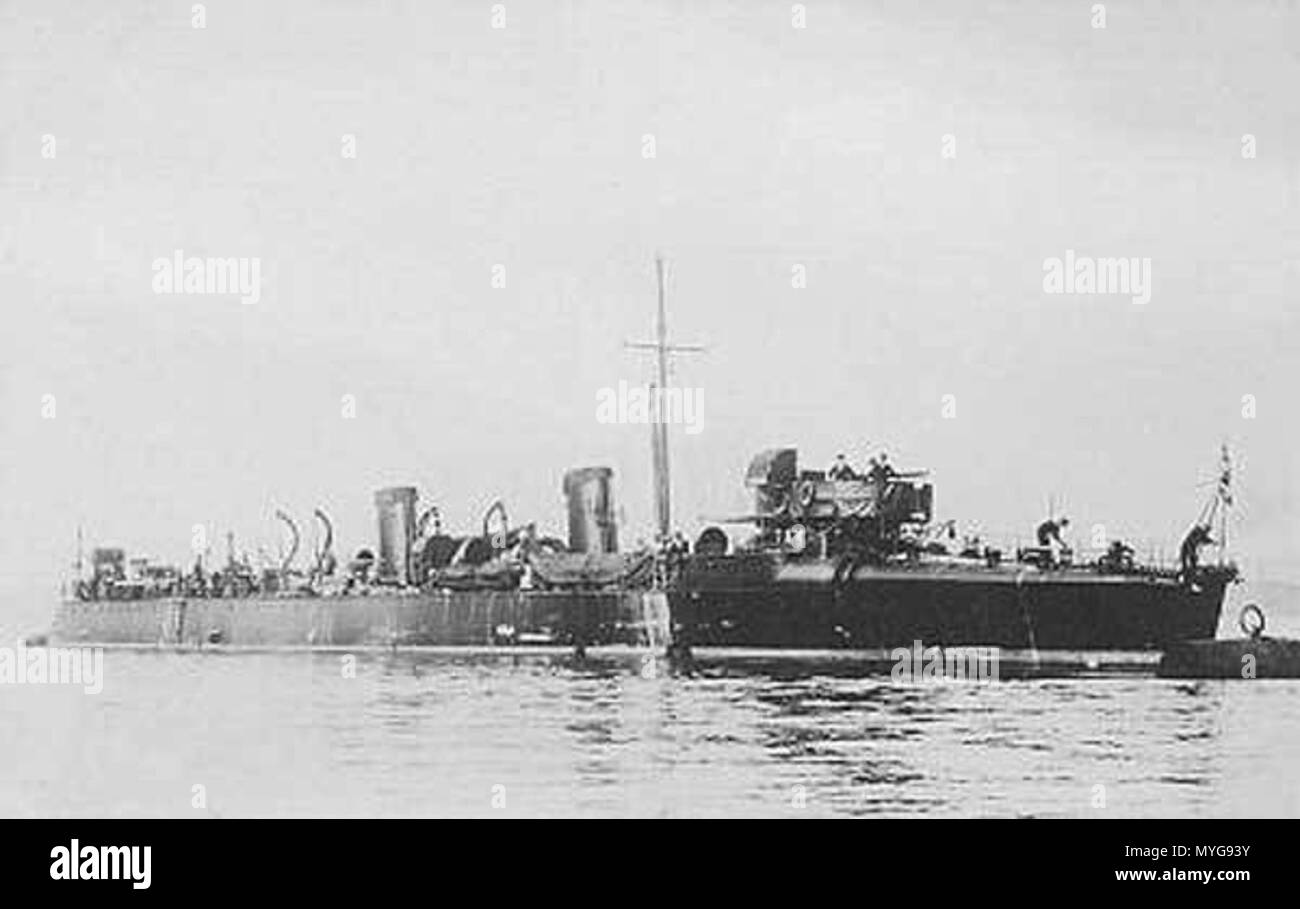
1049	537
840	470
886	468
1189	552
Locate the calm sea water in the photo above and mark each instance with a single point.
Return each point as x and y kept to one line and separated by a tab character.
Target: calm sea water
455	734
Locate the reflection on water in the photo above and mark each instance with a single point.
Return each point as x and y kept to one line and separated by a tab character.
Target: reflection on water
435	734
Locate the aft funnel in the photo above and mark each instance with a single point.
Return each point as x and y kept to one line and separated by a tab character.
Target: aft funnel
395	508
591	510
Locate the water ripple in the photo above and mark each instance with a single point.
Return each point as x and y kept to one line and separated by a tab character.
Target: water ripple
437	734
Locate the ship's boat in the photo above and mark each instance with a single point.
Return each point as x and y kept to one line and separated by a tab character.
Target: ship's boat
594	571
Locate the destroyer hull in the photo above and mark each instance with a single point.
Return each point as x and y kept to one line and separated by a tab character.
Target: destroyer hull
800	608
806	608
442	618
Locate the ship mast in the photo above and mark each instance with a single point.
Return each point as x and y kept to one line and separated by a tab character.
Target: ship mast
659	424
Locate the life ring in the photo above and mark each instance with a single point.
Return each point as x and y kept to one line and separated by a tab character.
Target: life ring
1251	629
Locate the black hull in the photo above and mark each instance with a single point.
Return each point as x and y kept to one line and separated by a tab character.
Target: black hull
804	607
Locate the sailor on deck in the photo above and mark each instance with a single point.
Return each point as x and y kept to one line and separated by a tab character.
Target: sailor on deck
1189	552
881	470
1049	536
841	470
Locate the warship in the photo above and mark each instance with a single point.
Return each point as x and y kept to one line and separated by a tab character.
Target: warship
858	562
835	563
835	560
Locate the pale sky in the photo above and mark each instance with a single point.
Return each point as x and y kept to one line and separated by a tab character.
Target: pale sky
523	147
